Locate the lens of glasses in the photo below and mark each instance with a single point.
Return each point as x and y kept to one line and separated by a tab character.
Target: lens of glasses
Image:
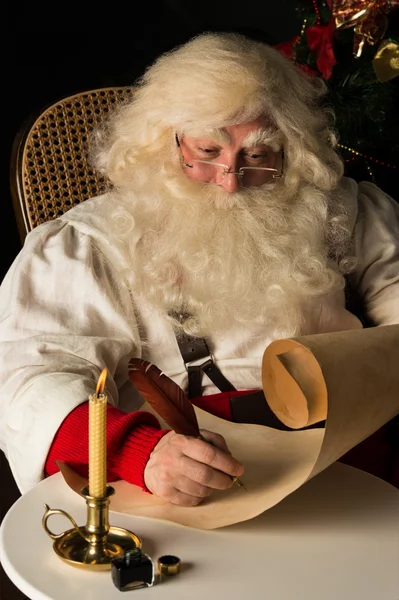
257	176
247	175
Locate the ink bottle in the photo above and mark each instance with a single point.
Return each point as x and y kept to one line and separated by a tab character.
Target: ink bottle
132	570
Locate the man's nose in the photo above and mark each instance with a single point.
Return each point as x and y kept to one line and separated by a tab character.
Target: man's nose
228	178
230	181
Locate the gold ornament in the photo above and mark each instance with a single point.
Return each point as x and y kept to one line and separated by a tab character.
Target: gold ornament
367	17
386	61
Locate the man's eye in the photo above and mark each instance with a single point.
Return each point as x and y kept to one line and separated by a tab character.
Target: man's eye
207	150
256	155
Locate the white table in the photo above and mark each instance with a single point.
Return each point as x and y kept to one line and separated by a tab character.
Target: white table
336	538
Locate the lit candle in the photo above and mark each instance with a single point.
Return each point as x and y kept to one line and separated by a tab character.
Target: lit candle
98	440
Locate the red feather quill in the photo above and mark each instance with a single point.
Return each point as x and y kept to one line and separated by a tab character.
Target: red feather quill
165	397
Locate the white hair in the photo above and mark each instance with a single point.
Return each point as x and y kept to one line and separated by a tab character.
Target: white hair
213	81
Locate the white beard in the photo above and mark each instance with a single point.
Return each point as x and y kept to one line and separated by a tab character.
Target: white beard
225	260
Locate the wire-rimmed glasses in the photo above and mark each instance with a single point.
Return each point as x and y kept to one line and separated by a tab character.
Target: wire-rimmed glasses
246	175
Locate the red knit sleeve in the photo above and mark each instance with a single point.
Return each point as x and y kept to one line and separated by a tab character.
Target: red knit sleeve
130	441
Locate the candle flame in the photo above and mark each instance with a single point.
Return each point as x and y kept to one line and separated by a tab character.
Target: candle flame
101	382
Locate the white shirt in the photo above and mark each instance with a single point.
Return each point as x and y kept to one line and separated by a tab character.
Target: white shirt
66	313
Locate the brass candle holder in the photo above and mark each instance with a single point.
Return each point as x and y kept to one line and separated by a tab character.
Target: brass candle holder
97	543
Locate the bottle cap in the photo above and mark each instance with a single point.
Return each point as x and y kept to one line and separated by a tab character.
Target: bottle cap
169	565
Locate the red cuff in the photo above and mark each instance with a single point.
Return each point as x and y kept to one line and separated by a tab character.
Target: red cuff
130	457
130	440
219	404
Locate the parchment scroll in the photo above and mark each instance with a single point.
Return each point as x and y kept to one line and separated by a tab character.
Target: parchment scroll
350	379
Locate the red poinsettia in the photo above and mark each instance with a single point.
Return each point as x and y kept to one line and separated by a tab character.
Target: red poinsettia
320	39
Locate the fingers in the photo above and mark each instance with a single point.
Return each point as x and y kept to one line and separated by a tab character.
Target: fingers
212	456
203	476
181	490
187	494
181	499
190	492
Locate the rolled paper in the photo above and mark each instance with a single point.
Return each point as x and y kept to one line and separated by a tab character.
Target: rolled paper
296	389
98	442
350	378
353	370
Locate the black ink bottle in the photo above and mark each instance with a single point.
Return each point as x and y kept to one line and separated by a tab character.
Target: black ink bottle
133	570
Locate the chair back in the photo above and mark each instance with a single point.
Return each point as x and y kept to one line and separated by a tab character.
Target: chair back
49	169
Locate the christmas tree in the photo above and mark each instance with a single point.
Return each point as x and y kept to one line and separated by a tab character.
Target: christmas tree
353	46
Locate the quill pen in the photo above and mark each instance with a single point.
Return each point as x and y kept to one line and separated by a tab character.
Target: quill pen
167	399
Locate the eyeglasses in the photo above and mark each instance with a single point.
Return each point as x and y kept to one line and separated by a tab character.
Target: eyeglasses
248	176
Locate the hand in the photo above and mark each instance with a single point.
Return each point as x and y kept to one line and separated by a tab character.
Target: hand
184	470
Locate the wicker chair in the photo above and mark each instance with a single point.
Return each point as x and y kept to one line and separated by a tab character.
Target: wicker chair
49	170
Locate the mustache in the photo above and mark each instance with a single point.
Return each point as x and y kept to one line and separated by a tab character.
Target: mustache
270	195
180	187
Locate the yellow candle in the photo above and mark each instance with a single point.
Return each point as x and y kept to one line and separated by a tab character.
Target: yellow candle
97	440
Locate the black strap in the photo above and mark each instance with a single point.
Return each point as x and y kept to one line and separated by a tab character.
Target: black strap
253	408
213	372
192	349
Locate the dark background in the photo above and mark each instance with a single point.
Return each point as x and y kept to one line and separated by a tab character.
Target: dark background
54	50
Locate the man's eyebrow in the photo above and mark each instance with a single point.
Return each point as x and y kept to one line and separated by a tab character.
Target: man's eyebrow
219	136
262	136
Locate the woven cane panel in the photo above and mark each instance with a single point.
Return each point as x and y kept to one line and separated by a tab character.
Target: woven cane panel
55	172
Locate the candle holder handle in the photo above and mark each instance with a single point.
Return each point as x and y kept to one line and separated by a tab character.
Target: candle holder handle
58	511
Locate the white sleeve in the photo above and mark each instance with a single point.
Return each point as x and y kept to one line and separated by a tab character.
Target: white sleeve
376	277
63	318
